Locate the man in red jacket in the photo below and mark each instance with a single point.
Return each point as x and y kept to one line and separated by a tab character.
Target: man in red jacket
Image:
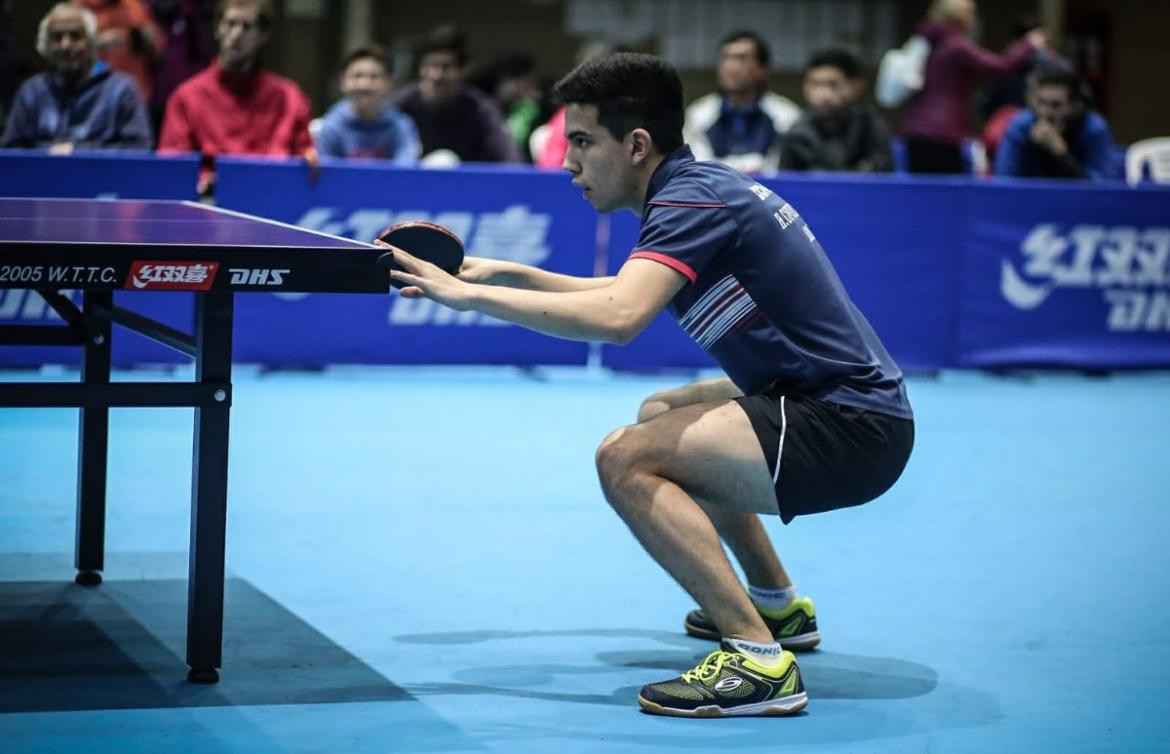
234	107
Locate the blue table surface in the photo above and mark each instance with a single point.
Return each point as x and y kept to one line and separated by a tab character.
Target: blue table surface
95	221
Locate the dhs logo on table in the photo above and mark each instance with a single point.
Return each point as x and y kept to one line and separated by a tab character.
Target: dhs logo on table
1130	266
516	234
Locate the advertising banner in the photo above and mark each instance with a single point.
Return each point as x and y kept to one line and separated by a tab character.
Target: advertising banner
507	213
1066	275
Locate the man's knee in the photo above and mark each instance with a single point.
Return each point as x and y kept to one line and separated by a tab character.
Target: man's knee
651	407
617	460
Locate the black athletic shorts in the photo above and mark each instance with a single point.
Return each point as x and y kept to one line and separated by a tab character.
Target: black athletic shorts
830	456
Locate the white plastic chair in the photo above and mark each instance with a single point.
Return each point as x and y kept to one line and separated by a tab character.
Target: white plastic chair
1152	152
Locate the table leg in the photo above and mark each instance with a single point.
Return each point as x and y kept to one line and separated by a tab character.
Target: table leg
213	363
92	447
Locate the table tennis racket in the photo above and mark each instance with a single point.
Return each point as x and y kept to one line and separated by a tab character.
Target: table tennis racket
426	241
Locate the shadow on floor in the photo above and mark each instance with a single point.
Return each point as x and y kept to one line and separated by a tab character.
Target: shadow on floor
122	645
828	675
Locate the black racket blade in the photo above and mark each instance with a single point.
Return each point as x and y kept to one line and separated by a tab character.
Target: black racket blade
427	241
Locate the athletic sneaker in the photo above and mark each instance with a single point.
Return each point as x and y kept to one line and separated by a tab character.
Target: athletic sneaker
729	683
795	627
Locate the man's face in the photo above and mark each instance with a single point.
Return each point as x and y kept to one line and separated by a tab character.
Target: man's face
440	76
240	37
739	69
826	90
1051	103
70	53
365	82
600	164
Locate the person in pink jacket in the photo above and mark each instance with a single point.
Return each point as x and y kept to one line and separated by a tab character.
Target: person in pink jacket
936	119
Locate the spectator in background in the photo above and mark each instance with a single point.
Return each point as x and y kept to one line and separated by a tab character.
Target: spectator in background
451	117
510	81
364	124
76	104
1058	136
1006	95
742	124
186	25
235	107
935	120
836	132
128	39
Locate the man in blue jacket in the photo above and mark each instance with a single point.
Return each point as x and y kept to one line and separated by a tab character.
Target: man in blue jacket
364	124
1058	136
75	104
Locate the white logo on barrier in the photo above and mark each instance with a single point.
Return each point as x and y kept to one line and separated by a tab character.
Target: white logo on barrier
18	305
1129	265
423	311
517	234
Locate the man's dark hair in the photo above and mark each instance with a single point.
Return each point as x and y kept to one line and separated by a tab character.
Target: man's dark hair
763	52
843	60
444	39
630	90
1052	75
374	52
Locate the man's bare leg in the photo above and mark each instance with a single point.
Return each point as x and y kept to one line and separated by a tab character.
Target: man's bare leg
743	532
653	472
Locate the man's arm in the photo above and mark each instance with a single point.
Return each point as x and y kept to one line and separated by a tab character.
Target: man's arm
879	157
798	152
409	148
614	313
177	134
20	131
133	122
1097	143
1009	157
516	275
497	141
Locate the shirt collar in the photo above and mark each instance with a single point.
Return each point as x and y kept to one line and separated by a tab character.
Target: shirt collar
745	111
667	168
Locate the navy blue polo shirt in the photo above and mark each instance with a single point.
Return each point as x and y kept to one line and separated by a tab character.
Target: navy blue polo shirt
763	299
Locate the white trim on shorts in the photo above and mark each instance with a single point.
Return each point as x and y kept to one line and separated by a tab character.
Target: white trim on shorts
780	450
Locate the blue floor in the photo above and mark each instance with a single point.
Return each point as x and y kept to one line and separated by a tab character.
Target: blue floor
420	560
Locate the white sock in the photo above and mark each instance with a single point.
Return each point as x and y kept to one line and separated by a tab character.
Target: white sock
767	654
772	599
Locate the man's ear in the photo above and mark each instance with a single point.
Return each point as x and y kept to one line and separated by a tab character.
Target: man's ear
640	145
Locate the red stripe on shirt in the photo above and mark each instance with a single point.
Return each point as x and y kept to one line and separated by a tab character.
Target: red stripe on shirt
686	204
669	261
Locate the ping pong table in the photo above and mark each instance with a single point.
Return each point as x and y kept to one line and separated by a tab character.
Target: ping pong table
100	246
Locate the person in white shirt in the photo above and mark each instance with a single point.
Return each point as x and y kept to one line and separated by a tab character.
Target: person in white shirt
742	124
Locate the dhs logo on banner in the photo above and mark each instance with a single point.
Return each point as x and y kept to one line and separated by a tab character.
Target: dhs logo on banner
516	234
1129	267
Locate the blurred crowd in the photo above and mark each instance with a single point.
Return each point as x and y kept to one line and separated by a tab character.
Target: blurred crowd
182	76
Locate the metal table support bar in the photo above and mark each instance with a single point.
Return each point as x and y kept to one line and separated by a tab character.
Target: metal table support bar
168	336
92	447
213	366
